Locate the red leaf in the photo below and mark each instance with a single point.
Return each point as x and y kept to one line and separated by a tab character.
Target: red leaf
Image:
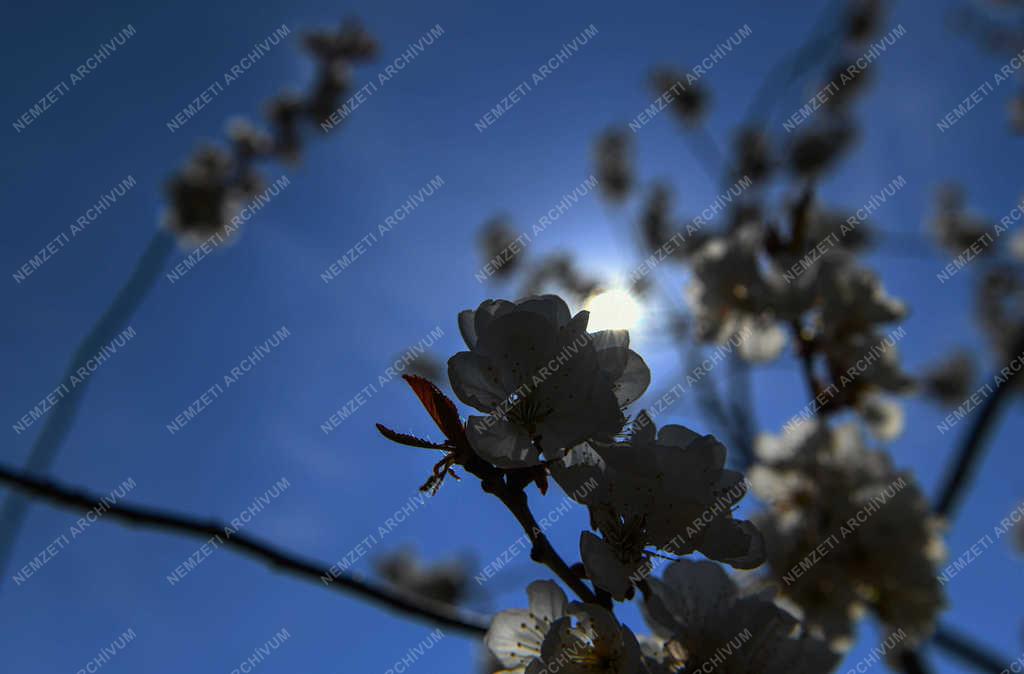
410	440
440	407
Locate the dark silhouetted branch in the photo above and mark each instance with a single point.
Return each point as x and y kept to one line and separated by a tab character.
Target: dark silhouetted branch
434	612
968	652
971	450
543	552
911	662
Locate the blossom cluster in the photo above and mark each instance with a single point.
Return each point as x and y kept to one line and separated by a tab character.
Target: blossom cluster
217	182
553	400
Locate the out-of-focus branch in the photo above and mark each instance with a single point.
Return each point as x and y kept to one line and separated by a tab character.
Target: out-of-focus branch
741	392
810	52
911	662
970	451
55	429
968	651
434	612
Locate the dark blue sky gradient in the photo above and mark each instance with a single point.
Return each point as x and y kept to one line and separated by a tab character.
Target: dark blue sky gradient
346	333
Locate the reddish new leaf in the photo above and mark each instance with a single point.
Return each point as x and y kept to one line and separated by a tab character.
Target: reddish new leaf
440	407
410	440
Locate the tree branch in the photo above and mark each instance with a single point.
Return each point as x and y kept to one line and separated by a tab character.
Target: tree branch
429	610
543	552
911	662
967	651
115	318
974	442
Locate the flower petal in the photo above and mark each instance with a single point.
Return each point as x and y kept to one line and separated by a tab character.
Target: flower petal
633	381
547	600
467	327
474	381
487	312
518	345
501	442
515	637
737	543
552	307
603	568
612	350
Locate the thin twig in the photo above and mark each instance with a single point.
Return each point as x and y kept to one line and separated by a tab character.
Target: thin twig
543	552
432	611
514	498
115	318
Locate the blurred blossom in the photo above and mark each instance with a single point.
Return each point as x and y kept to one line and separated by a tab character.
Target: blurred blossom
883	416
949	381
817	148
446	582
1015	113
732	294
659	228
427	366
333	82
754	154
846	532
350	42
656	219
863	18
1017	245
953	226
216	183
558	273
1000	307
249	142
613	155
850	233
863	365
206	194
285	113
854	302
846	81
496	243
689	101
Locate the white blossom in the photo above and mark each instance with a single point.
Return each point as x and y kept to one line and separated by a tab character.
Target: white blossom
545	382
666	489
556	636
704	620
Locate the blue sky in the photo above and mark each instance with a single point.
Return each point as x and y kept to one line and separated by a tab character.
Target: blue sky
343	335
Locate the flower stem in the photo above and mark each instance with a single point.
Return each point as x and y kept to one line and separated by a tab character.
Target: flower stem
543	552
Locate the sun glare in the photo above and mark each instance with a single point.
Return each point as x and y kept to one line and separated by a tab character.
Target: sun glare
613	310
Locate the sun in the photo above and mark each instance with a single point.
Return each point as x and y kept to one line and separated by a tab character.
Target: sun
613	310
